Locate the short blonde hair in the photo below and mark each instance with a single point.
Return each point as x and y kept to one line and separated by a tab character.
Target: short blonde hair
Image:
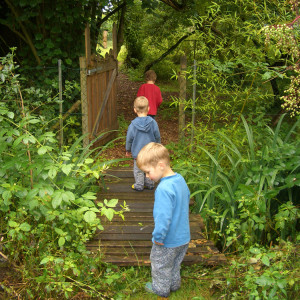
150	75
151	154
141	104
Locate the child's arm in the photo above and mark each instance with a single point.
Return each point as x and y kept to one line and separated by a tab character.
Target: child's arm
163	213
129	140
156	133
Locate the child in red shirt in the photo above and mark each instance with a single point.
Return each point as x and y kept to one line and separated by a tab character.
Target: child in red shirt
151	92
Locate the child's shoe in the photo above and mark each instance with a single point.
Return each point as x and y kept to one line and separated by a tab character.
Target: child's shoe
148	287
148	187
135	188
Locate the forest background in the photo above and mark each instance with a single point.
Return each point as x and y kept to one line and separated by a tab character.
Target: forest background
239	152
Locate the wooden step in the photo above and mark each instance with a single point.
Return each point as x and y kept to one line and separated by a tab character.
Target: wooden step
128	242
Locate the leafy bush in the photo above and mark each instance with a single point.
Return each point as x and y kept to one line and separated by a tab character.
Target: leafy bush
47	205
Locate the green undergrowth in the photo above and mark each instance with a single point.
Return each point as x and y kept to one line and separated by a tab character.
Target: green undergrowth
260	273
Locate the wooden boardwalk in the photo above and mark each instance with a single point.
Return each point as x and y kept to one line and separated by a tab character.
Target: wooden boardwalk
128	242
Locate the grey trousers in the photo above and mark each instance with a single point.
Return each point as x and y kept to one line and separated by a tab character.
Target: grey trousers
165	268
140	178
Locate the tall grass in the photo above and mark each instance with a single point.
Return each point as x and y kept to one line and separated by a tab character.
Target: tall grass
241	191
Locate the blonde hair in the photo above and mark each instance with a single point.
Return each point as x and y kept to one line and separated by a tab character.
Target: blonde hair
150	76
151	154
141	104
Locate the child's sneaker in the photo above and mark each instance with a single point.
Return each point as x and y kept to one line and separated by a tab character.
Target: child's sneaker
148	187
135	188
148	287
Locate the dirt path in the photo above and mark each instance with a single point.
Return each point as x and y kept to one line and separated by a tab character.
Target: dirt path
168	123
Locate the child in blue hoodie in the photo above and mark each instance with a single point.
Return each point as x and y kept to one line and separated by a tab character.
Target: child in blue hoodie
142	130
171	234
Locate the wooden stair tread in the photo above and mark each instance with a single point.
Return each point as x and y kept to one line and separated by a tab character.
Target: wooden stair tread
128	242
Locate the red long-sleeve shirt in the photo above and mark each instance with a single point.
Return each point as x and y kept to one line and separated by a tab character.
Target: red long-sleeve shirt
153	94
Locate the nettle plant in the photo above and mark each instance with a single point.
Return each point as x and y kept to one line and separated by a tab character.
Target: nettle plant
285	37
47	196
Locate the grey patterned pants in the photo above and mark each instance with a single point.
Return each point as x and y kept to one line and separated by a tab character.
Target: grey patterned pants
165	268
141	180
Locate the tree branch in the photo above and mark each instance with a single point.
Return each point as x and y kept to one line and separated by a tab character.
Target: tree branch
175	4
148	67
25	32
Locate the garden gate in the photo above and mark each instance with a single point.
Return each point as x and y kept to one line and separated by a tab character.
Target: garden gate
99	94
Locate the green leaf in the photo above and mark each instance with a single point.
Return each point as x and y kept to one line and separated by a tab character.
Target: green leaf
111	203
61	241
90	216
108	212
10	114
6	195
89	195
34	121
42	150
44	261
59	231
25	227
67	168
255	250
13	224
265	260
56	201
52	172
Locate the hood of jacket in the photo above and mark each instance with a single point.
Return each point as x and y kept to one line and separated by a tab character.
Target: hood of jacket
142	123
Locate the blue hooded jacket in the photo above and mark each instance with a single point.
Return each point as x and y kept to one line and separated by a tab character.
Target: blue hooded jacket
141	131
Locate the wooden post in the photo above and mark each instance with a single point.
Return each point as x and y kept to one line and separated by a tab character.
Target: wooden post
194	103
61	130
104	39
84	103
182	95
115	46
87	44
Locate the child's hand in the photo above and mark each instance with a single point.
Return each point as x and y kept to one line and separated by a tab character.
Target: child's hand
157	243
128	154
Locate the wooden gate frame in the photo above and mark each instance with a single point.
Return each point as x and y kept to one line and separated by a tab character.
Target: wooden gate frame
98	93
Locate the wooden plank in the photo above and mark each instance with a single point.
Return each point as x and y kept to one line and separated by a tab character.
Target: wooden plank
128	242
130	237
87	44
84	104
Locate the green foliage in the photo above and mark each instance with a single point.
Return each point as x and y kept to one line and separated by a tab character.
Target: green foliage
47	198
264	273
247	192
